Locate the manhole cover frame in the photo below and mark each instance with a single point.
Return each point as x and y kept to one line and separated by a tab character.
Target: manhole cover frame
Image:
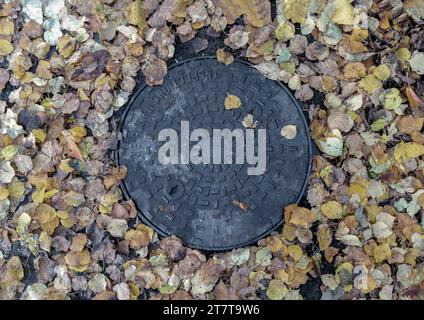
123	115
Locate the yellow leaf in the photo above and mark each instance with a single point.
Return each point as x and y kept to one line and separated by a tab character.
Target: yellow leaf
23	222
7	26
370	83
355	70
47	218
295	252
359	34
65	166
284	31
45	241
359	187
299	216
296	10
66	45
343	275
332	210
74	198
78	133
289	232
276	290
40	135
343	12
274	243
9	151
16	189
105	209
382	72
382	252
4	193
410	150
5	47
65	219
258	13
38	195
232	102
403	54
324	236
136	15
224	57
49	194
78	261
13	270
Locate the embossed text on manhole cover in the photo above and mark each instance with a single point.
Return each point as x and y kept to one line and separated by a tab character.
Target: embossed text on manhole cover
217	177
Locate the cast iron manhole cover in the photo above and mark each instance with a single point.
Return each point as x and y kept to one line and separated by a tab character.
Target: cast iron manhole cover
213	206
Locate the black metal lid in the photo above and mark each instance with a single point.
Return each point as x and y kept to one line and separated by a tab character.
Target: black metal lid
213	206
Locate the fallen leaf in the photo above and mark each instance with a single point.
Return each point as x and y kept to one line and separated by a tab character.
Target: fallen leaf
232	102
78	261
332	210
289	132
5	47
343	12
276	290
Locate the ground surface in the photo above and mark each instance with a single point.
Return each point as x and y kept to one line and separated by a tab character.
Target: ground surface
67	68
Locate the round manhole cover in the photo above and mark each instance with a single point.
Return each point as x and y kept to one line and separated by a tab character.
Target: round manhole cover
196	171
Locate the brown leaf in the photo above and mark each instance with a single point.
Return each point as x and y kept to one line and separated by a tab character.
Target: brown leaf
258	13
78	261
414	100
